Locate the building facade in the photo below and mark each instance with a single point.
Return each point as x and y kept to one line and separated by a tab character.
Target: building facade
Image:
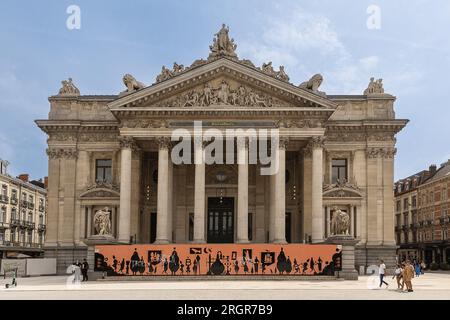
422	226
113	153
22	215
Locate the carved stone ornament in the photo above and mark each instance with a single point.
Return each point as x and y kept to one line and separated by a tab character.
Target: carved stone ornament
340	222
304	123
62	153
144	123
102	222
222	45
164	143
267	68
68	88
127	143
223	94
384	152
313	84
131	84
167	74
374	87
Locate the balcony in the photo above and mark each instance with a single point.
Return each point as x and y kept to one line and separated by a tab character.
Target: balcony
41	208
4	198
15	222
21	244
5	243
42	227
30	205
14	201
4	225
412	226
30	225
405	227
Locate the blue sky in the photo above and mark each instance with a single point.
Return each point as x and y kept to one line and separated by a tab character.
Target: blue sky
411	52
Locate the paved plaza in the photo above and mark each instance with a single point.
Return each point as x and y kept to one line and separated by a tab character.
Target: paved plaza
428	286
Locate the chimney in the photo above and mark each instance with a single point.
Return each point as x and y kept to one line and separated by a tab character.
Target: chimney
24	177
46	182
432	169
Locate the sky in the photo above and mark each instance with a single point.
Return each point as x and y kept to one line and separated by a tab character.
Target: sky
406	43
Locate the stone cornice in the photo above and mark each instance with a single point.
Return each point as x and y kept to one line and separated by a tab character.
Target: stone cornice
213	69
49	126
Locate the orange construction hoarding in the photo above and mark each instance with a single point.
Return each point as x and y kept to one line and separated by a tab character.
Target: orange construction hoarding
218	259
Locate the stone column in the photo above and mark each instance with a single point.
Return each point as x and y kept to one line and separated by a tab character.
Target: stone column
280	194
127	144
51	235
162	211
316	184
242	215
199	196
89	222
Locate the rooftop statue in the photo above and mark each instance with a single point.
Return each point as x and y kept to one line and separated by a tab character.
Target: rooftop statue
68	88
132	84
222	45
374	87
313	84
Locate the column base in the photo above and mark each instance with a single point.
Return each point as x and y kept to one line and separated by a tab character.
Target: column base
162	241
279	241
199	241
243	241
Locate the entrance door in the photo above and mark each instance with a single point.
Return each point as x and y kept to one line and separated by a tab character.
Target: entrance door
153	227
220	220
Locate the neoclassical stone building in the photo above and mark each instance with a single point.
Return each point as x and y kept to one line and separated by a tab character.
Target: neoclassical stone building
113	153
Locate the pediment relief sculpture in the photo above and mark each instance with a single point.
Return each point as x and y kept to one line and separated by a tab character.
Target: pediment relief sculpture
68	88
101	189
222	93
132	84
341	189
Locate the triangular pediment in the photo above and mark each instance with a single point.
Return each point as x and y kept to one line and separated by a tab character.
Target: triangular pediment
222	83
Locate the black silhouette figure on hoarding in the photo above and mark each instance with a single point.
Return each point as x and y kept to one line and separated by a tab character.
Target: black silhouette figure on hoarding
128	266
182	268
198	263
236	267
288	265
217	267
228	264
296	266
188	266
174	263
281	262
115	264
305	266
319	265
122	265
256	264
165	266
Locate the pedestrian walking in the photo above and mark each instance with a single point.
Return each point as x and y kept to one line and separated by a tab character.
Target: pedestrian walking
77	272
382	272
408	274
85	269
417	269
398	275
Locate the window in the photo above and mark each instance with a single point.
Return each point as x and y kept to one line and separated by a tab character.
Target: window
414	201
103	170
13	236
405	204
41	219
398	206
14	194
338	170
191	226
30	216
3	215
4	190
13	214
2	236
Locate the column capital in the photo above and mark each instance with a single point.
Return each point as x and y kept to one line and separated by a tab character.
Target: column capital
283	143
242	142
317	142
164	143
127	142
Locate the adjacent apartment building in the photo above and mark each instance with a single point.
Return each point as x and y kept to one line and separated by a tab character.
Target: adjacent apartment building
422	203
22	214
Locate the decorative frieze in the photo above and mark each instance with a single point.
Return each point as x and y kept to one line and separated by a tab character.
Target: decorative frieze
98	137
144	123
382	152
304	123
62	137
62	153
